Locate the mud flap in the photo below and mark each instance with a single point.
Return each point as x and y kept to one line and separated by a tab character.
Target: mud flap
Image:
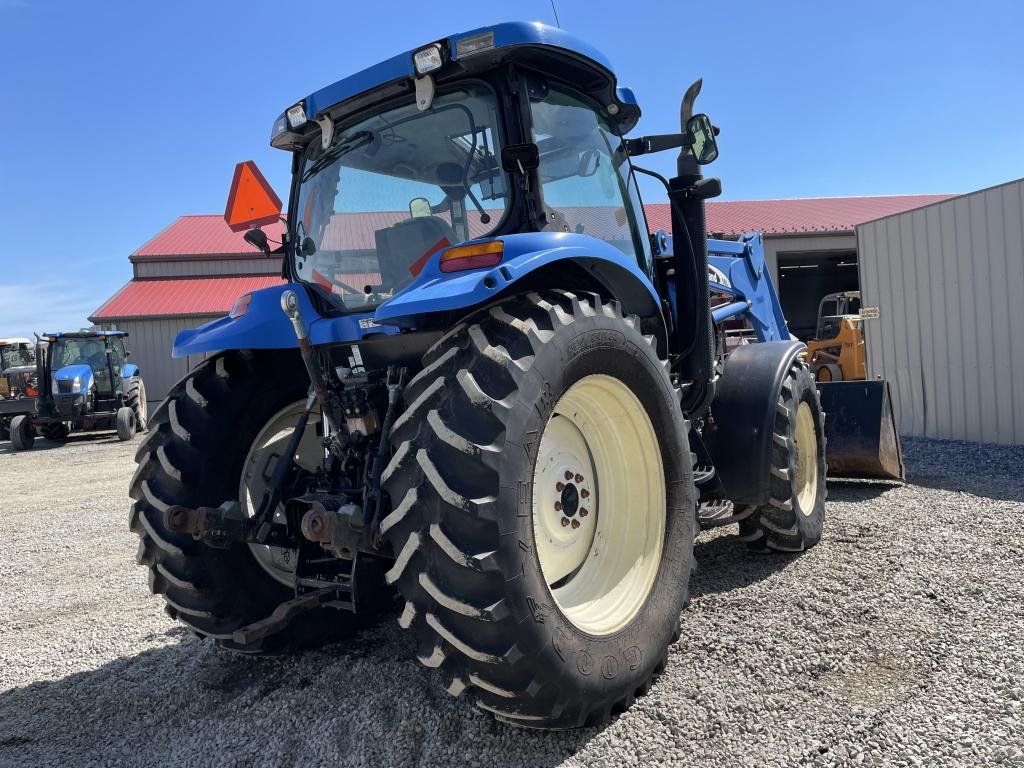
860	430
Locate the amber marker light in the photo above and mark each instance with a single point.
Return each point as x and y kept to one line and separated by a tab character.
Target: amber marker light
472	256
241	306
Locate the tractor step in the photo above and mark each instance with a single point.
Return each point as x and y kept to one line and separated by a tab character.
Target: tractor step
715	513
703	474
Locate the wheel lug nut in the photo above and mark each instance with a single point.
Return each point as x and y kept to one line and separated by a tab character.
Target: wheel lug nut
575	523
585	493
558	506
568	475
579	478
584	511
559	487
565	521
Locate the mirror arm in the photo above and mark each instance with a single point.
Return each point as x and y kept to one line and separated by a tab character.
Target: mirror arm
657	143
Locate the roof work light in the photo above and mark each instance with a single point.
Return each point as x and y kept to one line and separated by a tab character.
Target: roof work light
296	115
428	59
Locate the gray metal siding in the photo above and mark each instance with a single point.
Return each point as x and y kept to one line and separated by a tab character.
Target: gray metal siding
150	343
207	268
945	278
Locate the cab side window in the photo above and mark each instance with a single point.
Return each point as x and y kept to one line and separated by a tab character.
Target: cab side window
117	355
587	182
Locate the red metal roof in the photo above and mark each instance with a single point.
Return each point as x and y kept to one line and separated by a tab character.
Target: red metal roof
794	216
180	297
208	235
202	235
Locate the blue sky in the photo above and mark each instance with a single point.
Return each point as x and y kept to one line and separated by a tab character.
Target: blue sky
118	117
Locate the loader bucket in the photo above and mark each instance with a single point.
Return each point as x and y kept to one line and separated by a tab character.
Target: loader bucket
860	430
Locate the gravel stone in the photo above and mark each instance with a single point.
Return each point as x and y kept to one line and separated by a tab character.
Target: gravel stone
896	641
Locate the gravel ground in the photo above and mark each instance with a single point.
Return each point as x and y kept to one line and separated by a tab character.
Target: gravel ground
897	641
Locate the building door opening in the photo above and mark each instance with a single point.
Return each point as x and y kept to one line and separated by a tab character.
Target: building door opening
806	278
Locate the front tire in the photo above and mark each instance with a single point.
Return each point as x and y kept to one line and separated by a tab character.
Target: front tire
199	440
497	597
126	424
792	520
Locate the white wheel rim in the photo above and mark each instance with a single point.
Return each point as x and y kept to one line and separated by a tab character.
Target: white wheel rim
806	459
143	408
600	566
269	444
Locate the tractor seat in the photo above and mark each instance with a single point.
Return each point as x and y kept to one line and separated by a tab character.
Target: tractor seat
402	249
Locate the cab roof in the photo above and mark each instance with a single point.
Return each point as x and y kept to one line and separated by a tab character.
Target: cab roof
15	340
560	53
85	334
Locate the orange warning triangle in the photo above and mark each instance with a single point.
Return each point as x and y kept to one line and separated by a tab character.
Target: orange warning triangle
252	202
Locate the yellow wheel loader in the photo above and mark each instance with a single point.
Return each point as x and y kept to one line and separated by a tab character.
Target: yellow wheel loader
860	425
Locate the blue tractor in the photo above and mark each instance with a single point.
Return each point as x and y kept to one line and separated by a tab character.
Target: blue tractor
85	383
484	390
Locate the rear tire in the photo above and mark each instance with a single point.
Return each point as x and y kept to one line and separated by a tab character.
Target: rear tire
485	595
792	520
135	398
126	424
193	455
23	434
56	431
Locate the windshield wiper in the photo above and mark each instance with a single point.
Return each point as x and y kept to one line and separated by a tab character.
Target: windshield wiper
344	146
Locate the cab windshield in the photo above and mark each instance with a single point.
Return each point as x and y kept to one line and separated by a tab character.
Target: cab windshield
393	189
78	351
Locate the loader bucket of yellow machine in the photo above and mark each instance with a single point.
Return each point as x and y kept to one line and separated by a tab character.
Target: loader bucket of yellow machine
860	431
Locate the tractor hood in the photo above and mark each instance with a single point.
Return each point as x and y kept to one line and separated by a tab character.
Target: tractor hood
549	49
69	373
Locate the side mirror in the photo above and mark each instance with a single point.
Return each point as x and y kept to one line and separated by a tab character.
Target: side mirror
702	133
258	238
251	201
589	161
419	207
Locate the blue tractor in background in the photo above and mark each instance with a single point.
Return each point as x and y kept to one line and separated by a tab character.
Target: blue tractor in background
85	382
485	390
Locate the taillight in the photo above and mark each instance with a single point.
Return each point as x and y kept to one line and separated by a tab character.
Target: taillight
472	256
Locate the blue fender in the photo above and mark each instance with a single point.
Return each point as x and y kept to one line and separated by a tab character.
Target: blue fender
129	371
69	372
437	291
265	326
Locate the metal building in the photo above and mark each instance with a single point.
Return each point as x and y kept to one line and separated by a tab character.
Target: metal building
946	280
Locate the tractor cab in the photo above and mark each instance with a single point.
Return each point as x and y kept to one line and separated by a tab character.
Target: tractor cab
831	311
17	367
488	140
451	159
